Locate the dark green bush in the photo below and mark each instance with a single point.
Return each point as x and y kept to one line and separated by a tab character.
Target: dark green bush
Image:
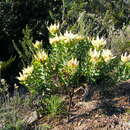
14	16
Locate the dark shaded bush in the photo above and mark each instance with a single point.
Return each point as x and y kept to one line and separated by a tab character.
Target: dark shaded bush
14	16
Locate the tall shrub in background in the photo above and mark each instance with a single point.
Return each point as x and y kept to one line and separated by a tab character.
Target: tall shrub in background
96	16
120	41
14	16
26	49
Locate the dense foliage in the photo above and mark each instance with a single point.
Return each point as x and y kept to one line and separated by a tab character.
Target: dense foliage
96	16
14	16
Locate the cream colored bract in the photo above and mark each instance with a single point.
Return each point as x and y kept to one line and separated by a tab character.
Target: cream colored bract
54	28
107	55
38	44
98	42
95	55
41	56
125	58
25	73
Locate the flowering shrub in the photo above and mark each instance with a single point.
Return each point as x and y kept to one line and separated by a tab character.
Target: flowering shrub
73	56
103	66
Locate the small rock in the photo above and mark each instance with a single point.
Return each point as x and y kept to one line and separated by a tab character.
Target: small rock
31	118
1	126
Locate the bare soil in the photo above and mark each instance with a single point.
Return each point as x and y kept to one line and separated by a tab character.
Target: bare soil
106	111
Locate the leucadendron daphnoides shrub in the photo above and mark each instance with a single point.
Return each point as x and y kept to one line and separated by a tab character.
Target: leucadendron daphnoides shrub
73	56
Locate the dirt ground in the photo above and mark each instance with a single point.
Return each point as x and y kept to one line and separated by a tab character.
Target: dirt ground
110	111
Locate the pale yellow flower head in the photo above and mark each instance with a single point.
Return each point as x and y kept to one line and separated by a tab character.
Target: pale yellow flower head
22	77
55	40
125	58
25	73
69	37
54	28
98	42
38	44
80	38
28	70
107	55
73	63
95	55
41	56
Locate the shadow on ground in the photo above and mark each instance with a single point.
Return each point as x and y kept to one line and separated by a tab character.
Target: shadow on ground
112	102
